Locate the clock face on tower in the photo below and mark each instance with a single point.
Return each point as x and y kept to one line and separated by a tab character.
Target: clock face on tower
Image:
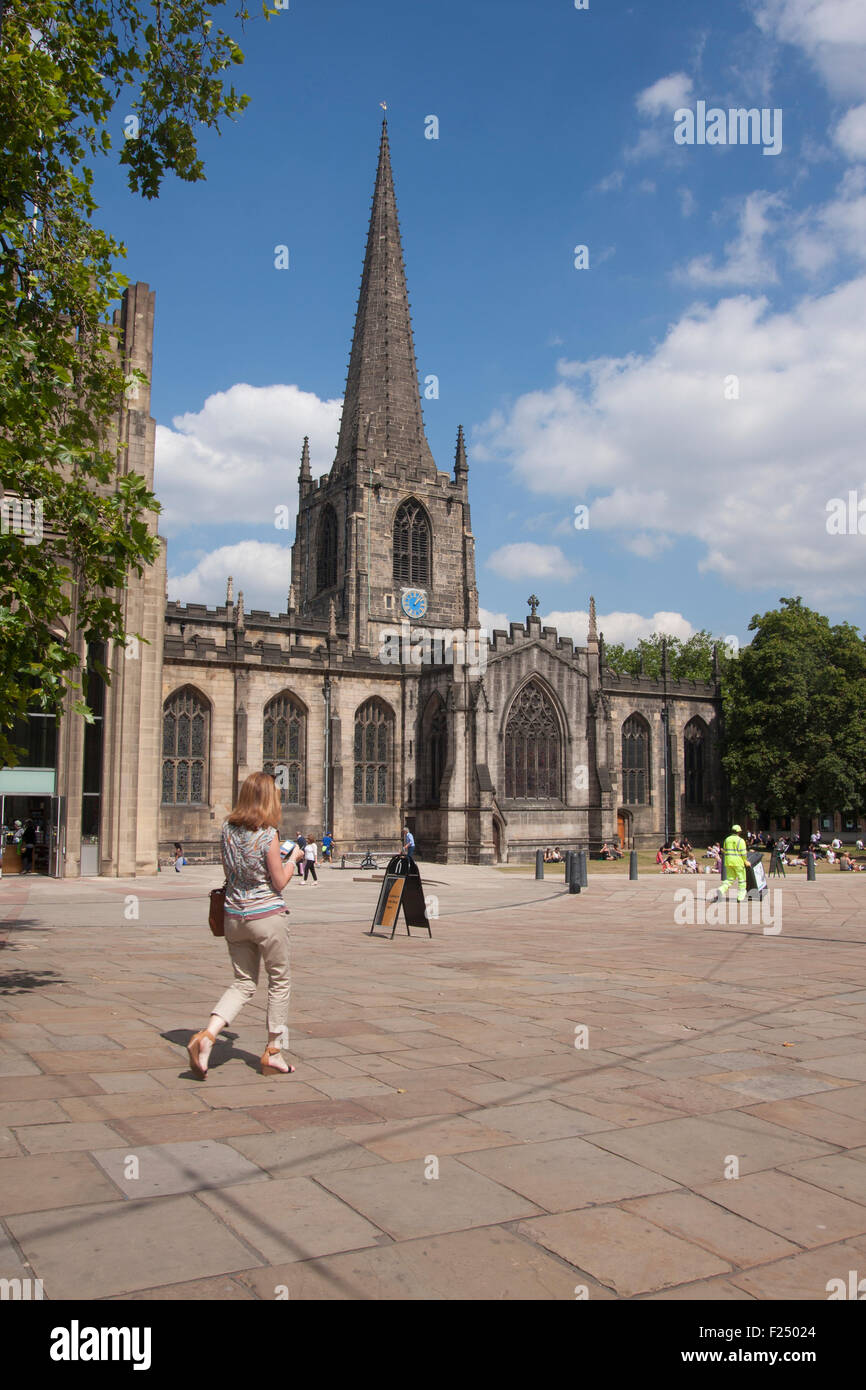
414	603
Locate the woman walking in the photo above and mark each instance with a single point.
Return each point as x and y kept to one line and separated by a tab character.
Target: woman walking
311	854
255	921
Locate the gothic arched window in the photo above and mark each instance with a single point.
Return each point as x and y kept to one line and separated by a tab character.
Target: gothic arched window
284	747
532	747
326	550
635	761
374	740
185	748
412	544
694	749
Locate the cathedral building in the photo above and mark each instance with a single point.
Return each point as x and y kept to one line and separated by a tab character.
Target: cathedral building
359	700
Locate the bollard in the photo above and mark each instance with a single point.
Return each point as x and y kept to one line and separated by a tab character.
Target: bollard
574	878
582	863
569	855
343	862
632	866
810	867
539	863
723	868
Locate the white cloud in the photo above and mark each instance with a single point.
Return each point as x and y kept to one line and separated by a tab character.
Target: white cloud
260	570
832	34
832	229
746	262
850	133
238	457
687	201
665	96
491	621
627	628
526	560
611	183
663	453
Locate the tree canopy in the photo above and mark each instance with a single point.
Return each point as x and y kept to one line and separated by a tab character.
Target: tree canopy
689	659
65	65
794	706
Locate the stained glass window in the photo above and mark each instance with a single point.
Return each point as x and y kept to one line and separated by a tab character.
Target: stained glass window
635	761
185	748
532	747
284	743
374	725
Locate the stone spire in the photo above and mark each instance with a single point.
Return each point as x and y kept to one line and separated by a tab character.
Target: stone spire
332	620
382	404
305	477
230	592
461	467
240	620
593	632
292	607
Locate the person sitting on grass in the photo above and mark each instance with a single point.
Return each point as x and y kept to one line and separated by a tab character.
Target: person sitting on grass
557	856
846	863
660	854
548	855
606	852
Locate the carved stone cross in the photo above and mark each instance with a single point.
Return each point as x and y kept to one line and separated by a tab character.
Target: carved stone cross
533	603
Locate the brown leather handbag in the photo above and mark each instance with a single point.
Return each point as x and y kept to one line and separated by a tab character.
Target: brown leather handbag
216	915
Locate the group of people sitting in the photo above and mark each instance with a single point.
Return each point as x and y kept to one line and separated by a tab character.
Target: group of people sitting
553	856
677	857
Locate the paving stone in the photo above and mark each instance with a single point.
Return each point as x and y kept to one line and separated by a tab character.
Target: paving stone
806	1118
404	1139
703	1222
167	1169
537	1120
795	1209
318	1112
695	1150
19	1088
45	1139
711	1290
835	1172
405	1203
305	1152
127	1105
126	1082
629	1255
562	1174
112	1249
292	1219
489	1264
121	1059
9	1147
175	1129
41	1181
259	1091
849	1100
12	1266
775	1086
223	1289
31	1112
803	1277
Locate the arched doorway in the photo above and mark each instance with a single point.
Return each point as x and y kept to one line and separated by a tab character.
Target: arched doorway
497	840
623	828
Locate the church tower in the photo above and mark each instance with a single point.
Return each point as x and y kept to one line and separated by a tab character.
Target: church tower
384	536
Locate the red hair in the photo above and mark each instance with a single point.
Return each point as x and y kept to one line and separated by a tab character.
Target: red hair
258	803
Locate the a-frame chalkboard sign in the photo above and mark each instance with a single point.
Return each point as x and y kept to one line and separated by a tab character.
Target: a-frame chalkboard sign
402	888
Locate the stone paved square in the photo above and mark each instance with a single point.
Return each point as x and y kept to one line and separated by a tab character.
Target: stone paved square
559	1166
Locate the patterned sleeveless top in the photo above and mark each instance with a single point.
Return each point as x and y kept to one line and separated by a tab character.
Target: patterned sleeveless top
249	890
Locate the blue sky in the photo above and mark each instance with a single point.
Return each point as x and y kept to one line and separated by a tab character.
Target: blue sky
699	387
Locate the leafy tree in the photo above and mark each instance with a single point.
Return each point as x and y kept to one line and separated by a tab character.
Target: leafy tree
795	716
64	67
691	659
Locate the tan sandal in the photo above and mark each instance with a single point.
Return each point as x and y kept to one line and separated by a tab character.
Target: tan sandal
267	1069
193	1047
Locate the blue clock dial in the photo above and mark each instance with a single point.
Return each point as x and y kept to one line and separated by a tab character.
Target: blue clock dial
414	603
